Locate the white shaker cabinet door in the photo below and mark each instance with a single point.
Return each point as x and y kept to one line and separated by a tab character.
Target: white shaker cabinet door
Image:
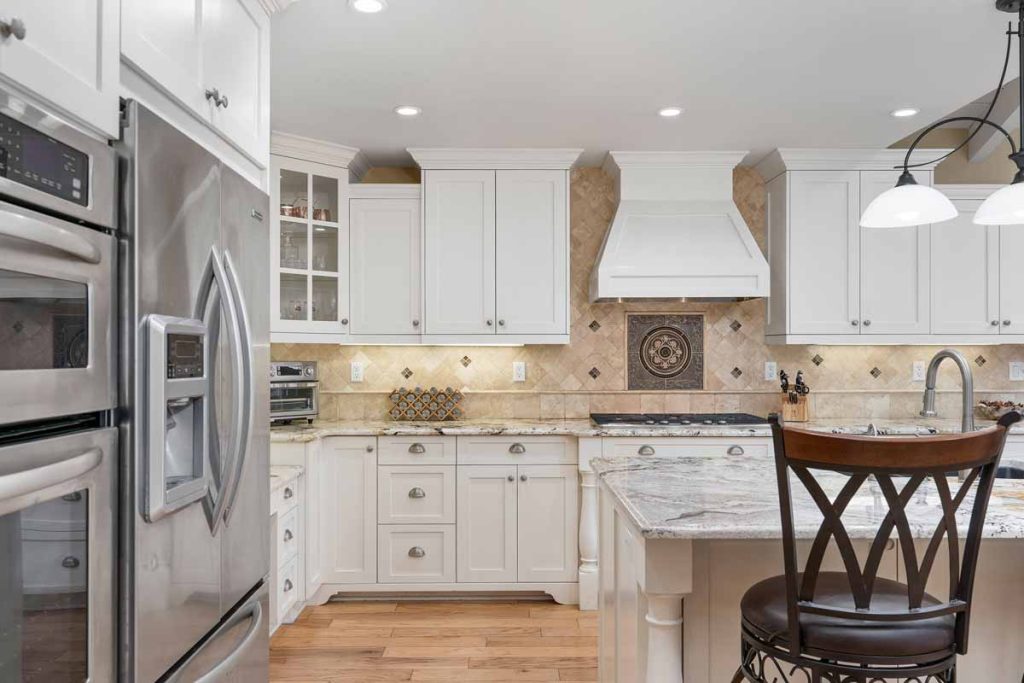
548	522
236	55
532	252
1011	279
965	275
385	287
459	251
486	523
348	496
894	267
67	54
164	41
824	262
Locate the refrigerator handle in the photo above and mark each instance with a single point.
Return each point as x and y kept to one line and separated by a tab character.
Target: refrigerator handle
39	478
254	613
247	396
215	290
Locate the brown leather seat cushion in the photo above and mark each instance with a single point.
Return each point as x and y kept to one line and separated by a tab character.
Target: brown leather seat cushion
764	608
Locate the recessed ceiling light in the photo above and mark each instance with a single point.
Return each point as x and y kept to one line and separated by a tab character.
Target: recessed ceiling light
670	112
368	6
407	110
904	113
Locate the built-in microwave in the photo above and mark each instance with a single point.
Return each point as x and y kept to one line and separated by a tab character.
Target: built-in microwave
294	391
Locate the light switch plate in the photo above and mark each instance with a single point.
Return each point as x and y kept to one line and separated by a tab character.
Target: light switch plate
918	373
356	370
519	371
1016	371
771	370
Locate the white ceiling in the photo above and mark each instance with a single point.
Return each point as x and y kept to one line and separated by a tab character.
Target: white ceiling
751	74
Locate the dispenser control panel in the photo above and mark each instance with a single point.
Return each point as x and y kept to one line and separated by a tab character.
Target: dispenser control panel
184	356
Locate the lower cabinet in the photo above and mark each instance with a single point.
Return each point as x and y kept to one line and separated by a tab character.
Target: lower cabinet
348	498
547	520
487	524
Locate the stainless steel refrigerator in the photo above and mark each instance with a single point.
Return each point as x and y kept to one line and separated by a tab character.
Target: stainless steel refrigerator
194	411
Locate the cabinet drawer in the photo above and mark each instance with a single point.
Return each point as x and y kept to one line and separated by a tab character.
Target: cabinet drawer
285	498
416	553
710	446
288	536
412	494
526	450
416	450
287	588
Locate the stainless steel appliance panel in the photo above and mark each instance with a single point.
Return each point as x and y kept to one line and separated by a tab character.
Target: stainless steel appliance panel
57	519
56	303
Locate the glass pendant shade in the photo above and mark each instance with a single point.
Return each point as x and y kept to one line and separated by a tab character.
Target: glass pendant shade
907	205
1005	206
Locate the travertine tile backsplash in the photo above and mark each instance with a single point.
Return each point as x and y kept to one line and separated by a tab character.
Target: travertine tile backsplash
562	381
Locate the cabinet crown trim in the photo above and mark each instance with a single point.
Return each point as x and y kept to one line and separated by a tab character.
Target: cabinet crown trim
319	151
385	191
482	158
792	159
618	160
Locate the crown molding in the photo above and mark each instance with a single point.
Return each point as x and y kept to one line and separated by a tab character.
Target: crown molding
318	151
273	6
384	191
791	159
493	158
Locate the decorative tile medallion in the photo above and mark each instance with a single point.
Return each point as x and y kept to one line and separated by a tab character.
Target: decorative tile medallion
594	373
665	351
466	360
817	360
735	325
407	373
594	325
875	372
980	360
736	372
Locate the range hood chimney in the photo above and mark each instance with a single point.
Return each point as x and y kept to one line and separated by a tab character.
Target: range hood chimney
677	233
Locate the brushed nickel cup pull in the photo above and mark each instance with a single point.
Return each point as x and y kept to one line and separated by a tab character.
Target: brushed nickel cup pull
735	450
417	492
417	551
646	450
517	449
288	493
288	535
15	27
288	585
70	562
417	448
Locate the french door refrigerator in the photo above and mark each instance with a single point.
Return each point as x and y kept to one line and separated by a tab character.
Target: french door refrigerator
194	417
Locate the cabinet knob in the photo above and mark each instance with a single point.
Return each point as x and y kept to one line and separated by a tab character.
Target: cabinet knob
223	102
417	551
417	448
995	323
511	478
70	562
1006	323
213	95
490	323
501	323
344	321
646	450
288	535
415	323
369	449
867	323
72	497
855	322
522	477
15	27
517	449
735	450
417	492
288	585
288	493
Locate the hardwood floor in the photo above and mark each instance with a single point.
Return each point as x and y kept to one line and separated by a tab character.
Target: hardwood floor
436	641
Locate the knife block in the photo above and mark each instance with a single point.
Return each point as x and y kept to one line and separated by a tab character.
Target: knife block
794	412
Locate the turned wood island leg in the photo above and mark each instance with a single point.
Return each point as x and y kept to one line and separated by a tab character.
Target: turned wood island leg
588	541
664	638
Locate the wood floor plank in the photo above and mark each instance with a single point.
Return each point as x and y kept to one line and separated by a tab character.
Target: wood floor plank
490	675
543	641
548	631
577	674
413	632
528	662
521	652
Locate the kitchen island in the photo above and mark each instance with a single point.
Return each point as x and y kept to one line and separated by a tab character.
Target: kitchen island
682	538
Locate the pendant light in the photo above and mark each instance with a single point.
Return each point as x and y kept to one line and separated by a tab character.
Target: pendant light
910	204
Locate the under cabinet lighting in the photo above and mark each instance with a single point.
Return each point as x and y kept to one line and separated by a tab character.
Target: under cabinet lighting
407	110
670	112
368	6
904	113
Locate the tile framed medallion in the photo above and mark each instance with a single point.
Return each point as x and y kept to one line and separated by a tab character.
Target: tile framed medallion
665	351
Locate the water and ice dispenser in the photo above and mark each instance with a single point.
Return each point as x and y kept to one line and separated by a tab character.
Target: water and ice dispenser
177	414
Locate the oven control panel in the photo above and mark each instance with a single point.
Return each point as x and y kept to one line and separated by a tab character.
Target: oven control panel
283	371
37	160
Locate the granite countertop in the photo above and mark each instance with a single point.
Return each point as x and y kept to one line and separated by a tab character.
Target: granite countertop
735	497
282	474
584	427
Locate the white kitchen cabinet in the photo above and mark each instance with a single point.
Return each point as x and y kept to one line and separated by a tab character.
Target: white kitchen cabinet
307	456
532	252
965	289
67	56
209	56
487	521
385	227
1011	279
458	233
547	523
348	496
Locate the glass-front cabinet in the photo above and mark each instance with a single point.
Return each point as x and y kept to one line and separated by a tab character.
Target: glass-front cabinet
309	249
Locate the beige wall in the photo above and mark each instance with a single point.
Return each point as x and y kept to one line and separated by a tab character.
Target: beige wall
559	382
958	169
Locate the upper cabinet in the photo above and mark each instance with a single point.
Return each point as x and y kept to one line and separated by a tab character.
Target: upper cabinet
212	58
66	54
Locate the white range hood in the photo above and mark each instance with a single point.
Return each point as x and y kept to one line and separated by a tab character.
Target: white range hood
677	233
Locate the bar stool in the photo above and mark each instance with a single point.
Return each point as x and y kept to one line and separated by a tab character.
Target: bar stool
854	626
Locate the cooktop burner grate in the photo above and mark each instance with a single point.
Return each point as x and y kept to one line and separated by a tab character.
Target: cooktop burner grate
674	419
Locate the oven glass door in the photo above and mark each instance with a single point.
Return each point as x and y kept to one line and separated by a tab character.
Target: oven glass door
293	399
56	300
56	547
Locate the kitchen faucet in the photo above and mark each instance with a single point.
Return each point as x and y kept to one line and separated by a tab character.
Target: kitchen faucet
967	380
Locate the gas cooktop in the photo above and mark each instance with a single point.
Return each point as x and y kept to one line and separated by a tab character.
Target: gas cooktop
674	419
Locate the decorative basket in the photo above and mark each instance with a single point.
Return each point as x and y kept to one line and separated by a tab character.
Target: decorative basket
993	410
420	404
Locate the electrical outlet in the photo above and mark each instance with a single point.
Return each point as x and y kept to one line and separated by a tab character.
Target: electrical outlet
518	371
1016	371
356	370
771	370
918	372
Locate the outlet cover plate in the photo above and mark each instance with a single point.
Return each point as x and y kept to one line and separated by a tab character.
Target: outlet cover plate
356	371
1016	371
918	373
519	371
771	370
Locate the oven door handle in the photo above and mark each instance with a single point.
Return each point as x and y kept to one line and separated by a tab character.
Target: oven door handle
39	478
22	227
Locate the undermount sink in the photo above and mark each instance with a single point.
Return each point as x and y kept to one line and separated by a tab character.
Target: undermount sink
1009	472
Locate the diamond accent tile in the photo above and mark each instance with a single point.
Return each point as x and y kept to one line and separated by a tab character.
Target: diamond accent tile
875	372
735	325
980	360
817	360
594	372
18	327
594	325
407	373
736	372
466	360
